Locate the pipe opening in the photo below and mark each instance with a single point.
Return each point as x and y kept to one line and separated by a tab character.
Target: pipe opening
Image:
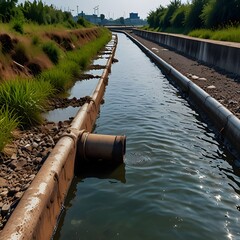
99	153
101	148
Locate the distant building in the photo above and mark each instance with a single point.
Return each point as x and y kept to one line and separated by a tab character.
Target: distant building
91	18
133	15
133	20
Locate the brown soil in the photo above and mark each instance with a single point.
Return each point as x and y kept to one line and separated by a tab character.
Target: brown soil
221	85
19	57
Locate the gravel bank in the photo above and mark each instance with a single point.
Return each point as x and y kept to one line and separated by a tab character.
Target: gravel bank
223	86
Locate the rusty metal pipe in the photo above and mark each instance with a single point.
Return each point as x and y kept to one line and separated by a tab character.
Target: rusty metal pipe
98	147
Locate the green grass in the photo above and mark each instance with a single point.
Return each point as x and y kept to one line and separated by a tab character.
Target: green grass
70	67
231	34
26	99
8	122
52	51
22	101
84	55
73	63
58	78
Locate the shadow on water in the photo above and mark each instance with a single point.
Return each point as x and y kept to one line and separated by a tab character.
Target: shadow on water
113	172
101	170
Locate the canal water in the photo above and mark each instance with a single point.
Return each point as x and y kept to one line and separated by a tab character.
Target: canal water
177	181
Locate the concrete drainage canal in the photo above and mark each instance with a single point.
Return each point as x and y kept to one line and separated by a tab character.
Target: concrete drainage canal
176	182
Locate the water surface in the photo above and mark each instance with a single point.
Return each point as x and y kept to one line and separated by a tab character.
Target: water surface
177	181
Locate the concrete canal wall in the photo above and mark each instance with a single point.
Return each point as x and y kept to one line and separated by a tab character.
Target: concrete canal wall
37	213
225	56
227	124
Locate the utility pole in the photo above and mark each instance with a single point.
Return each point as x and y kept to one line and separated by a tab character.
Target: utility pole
96	9
77	9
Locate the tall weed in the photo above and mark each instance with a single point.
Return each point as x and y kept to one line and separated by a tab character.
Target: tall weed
8	122
52	51
26	99
231	34
59	79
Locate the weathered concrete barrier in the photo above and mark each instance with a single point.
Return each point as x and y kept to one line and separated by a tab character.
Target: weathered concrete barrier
227	125
225	56
37	213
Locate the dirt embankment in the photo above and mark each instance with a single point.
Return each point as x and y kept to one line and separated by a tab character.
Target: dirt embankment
22	55
23	158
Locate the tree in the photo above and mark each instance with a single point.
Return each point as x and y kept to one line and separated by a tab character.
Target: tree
171	8
155	17
122	21
221	13
102	17
178	17
193	19
7	10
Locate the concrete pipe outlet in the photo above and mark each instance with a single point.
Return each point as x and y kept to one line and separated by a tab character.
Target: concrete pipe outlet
98	147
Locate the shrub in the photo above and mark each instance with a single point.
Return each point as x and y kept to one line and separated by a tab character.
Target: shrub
70	23
59	79
83	22
52	52
70	67
18	27
35	40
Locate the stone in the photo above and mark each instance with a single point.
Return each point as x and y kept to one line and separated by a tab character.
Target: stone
4	193
31	177
35	145
211	87
28	147
232	102
194	77
5	209
13	164
3	182
37	139
38	160
18	164
202	79
19	194
14	156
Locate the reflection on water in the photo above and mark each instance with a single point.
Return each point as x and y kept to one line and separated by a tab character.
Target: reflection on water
177	181
80	89
60	114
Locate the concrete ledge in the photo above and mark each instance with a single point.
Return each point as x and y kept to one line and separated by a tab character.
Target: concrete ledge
37	213
225	56
227	125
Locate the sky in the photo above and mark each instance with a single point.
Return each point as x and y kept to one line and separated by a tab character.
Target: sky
110	8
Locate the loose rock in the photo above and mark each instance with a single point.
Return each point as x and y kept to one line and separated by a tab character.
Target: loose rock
211	87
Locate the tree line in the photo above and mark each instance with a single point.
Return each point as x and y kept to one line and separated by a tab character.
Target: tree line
196	14
36	11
